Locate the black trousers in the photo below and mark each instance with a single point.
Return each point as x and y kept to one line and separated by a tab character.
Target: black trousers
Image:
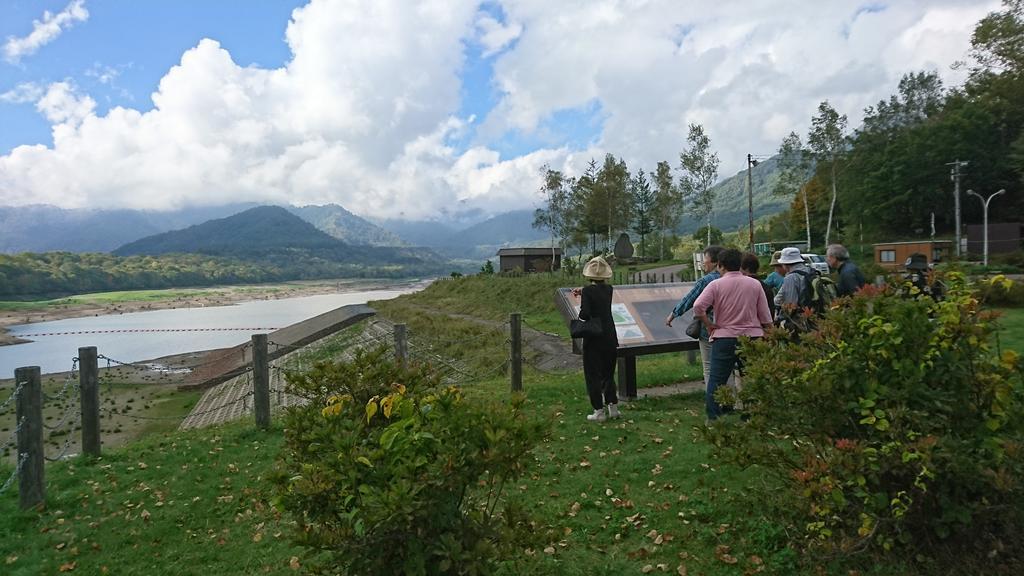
599	371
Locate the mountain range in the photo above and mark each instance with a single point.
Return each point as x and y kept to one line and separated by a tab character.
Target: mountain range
272	234
41	228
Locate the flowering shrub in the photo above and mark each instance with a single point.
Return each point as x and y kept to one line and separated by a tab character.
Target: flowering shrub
386	471
896	424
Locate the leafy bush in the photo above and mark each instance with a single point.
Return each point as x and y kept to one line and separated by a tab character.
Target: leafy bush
1001	292
388	472
895	425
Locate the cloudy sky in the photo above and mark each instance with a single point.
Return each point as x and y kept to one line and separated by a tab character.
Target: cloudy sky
398	108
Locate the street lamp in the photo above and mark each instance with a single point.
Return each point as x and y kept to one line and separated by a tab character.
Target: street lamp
984	204
751	162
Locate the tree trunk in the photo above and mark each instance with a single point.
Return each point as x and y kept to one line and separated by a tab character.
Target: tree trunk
832	206
807	216
661	248
552	269
709	230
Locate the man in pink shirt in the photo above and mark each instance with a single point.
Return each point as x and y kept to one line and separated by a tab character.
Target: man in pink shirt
740	310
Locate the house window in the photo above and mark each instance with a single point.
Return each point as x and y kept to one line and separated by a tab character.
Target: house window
887	256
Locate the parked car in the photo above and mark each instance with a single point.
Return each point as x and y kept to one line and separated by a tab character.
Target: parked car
817	262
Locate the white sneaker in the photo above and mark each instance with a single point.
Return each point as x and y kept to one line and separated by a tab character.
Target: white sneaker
597	416
613	411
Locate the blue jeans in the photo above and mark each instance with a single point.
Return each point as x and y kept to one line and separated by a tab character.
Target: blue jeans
724	359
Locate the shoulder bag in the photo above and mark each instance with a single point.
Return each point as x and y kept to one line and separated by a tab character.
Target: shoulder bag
585	328
693	328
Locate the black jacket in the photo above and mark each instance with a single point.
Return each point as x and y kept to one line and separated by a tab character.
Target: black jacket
596	302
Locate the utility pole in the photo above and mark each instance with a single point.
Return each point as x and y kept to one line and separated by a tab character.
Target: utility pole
750	198
954	175
984	205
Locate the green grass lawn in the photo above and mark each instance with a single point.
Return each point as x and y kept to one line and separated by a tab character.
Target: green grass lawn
1011	337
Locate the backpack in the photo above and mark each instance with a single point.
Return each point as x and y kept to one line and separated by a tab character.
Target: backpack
818	291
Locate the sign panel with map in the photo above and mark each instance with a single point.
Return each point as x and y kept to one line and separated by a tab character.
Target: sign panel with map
639	311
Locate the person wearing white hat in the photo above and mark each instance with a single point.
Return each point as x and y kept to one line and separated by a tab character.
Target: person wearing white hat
599	352
793	280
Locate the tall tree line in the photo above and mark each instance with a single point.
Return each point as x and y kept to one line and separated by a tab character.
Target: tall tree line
889	177
608	199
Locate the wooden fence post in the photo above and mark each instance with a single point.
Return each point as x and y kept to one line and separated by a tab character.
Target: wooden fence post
260	381
401	345
516	352
29	413
89	384
691	356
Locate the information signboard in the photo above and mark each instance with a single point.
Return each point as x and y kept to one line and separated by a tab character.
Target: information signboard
639	311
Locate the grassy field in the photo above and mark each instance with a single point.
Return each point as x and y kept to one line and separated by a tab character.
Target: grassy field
104	298
630	496
610	499
1011	337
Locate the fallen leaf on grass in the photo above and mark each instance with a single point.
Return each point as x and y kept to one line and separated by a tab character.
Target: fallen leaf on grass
647	569
722	553
11	559
68	566
681	570
294	563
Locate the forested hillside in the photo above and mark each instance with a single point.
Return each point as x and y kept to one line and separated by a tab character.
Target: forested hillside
262	244
346	226
891	174
44	228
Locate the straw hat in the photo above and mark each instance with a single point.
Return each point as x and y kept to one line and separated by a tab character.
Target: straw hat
597	269
790	255
775	258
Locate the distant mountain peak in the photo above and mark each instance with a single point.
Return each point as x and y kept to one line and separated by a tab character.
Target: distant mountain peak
248	232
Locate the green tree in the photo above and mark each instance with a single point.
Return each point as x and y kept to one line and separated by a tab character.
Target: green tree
793	169
612	194
699	167
644	199
828	143
668	203
556	214
710	233
586	204
892	181
997	43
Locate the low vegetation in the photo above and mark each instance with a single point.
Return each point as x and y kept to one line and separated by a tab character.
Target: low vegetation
897	427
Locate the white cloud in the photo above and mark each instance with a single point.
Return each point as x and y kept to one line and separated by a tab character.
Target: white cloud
494	35
62	105
22	93
366	113
103	74
45	31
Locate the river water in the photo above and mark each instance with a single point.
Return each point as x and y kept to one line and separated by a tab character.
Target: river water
133	337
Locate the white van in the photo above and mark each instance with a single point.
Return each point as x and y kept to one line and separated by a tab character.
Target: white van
816	262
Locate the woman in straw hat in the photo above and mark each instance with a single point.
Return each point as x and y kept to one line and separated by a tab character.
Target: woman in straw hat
599	351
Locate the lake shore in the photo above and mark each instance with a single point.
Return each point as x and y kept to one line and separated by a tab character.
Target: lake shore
84	306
